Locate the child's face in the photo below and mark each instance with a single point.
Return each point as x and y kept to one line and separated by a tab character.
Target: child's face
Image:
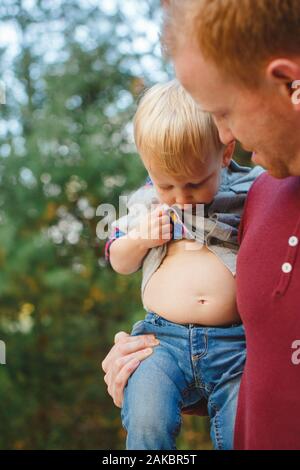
200	188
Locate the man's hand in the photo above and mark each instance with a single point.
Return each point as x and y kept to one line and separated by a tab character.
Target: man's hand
122	360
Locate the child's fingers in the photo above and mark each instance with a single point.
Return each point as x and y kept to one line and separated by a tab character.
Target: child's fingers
166	228
166	231
159	210
164	219
158	222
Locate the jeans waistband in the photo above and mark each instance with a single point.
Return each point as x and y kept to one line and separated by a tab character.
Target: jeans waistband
195	325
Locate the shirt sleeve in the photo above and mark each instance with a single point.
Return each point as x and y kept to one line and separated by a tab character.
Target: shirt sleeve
139	202
115	234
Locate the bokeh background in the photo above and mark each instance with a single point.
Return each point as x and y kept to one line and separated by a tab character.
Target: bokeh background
73	71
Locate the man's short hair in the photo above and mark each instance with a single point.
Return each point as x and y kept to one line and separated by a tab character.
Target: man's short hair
239	36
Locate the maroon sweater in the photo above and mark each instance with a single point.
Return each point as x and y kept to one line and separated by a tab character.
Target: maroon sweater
268	291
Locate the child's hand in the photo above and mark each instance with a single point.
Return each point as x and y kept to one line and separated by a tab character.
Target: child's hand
155	229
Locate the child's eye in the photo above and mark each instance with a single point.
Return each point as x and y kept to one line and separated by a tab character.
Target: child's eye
201	183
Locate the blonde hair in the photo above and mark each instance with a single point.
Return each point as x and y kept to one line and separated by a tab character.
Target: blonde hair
171	129
239	36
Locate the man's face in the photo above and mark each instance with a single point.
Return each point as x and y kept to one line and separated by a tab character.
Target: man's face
262	119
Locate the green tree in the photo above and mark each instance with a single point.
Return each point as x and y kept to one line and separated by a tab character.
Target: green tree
68	152
65	148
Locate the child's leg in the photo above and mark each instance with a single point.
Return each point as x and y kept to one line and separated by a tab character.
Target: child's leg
151	411
159	388
221	368
222	408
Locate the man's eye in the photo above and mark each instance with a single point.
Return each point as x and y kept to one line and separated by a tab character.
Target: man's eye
221	116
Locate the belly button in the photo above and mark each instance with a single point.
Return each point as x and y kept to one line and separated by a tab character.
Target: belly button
202	301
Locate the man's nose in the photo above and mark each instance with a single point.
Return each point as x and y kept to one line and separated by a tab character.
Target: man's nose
226	136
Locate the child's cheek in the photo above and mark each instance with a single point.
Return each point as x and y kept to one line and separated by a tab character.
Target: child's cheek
214	188
207	195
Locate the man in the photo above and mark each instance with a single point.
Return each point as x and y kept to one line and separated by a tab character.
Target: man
241	62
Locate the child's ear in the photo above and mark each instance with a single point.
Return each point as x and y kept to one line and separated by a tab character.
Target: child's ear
227	154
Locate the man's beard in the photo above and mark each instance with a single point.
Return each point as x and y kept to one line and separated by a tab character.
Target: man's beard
276	167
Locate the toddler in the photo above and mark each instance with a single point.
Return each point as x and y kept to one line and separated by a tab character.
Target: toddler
181	229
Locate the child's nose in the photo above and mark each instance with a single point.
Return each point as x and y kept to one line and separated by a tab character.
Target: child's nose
183	198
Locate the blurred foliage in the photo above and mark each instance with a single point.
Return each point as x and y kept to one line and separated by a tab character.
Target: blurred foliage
65	148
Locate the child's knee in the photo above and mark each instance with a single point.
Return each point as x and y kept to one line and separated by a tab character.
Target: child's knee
149	409
149	422
152	400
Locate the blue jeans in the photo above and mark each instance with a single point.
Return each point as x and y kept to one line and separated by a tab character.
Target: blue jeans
190	363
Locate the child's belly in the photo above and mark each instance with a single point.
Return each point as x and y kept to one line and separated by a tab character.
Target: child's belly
192	286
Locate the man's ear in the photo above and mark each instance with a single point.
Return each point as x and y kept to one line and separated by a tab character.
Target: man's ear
285	73
227	154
